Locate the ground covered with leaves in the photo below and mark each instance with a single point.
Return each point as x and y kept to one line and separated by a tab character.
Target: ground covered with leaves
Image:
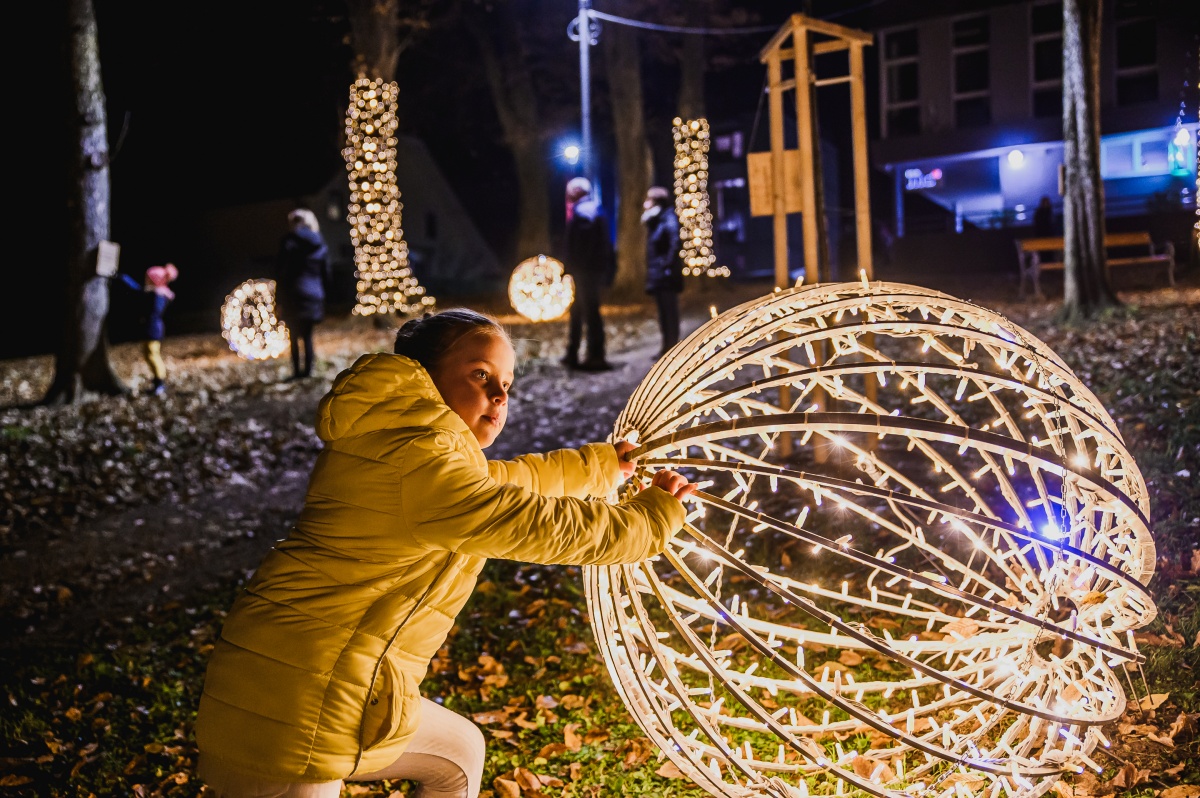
128	525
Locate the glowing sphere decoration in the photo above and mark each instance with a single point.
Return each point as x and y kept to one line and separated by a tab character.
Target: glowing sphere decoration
249	324
933	594
540	289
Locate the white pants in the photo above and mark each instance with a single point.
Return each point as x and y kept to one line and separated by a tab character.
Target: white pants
445	756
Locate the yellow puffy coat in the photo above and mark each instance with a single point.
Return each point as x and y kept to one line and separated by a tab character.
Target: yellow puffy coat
316	674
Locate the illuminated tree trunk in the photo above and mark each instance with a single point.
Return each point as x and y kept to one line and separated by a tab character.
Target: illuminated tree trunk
622	58
1086	290
386	284
81	362
510	81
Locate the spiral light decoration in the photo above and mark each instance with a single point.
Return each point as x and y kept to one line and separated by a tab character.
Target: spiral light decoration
249	324
691	199
386	284
540	289
942	605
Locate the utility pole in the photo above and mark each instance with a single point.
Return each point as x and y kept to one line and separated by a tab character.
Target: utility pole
583	31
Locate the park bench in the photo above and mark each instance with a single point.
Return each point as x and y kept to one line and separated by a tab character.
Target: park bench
1032	254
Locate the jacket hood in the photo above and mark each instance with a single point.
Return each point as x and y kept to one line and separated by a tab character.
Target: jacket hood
384	391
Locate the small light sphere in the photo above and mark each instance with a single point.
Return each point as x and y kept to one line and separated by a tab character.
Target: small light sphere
249	324
540	289
1016	159
914	564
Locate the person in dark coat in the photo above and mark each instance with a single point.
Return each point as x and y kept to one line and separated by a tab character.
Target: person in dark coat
301	281
590	261
664	265
154	294
1043	219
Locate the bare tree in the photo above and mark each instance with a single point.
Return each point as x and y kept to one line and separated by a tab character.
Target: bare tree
623	68
510	80
81	361
1086	289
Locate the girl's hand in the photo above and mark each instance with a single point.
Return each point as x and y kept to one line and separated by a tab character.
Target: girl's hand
623	448
674	484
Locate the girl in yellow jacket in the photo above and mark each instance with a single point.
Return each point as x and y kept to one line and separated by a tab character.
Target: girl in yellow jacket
315	679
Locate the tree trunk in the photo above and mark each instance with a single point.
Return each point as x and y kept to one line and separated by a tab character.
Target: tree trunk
622	59
510	81
81	362
1086	290
691	69
374	29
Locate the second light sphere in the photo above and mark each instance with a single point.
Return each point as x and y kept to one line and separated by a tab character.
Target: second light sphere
540	289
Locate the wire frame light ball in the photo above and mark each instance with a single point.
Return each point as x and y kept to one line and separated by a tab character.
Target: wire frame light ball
249	324
540	289
933	594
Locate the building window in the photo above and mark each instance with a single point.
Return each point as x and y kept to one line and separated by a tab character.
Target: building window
972	72
902	88
1140	156
1045	29
1137	55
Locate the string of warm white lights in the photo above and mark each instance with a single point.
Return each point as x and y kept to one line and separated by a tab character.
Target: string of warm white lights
939	607
540	289
249	324
691	199
385	282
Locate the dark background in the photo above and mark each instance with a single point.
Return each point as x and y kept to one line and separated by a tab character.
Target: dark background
224	103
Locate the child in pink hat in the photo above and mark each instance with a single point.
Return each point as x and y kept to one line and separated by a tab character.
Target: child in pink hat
157	294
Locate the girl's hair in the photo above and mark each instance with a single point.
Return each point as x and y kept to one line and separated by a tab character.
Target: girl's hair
427	338
303	217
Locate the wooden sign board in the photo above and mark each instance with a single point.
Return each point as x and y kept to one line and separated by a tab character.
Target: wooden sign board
107	254
760	170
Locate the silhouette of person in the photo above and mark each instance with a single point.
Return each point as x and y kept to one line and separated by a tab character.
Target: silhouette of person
301	281
590	261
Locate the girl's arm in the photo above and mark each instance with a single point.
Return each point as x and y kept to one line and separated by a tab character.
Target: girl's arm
451	506
591	470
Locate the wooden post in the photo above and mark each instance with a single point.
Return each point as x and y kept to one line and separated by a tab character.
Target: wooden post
862	196
779	219
804	131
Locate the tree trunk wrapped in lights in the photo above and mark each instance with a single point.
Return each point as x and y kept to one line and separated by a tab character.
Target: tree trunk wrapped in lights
385	282
960	584
691	199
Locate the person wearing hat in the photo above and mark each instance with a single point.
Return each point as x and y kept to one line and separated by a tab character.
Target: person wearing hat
590	261
156	294
301	283
664	265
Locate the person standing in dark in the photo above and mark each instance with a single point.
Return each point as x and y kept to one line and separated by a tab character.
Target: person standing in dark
590	261
1043	219
302	274
664	266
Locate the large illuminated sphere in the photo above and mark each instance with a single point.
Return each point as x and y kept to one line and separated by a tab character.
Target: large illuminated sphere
540	290
934	593
249	324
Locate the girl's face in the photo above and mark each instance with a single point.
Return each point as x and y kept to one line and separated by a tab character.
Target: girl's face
473	377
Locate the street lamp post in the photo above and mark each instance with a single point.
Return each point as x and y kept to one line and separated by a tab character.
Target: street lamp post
581	29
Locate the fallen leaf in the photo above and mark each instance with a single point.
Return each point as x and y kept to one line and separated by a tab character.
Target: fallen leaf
850	658
572	702
571	737
491	716
553	750
1183	723
575	770
668	770
527	779
1153	701
1129	776
506	788
1181	791
595	737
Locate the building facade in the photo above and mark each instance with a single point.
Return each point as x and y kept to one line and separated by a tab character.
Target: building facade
970	111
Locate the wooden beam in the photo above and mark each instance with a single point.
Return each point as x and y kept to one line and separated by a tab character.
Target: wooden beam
778	39
779	205
832	29
862	183
804	132
832	81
